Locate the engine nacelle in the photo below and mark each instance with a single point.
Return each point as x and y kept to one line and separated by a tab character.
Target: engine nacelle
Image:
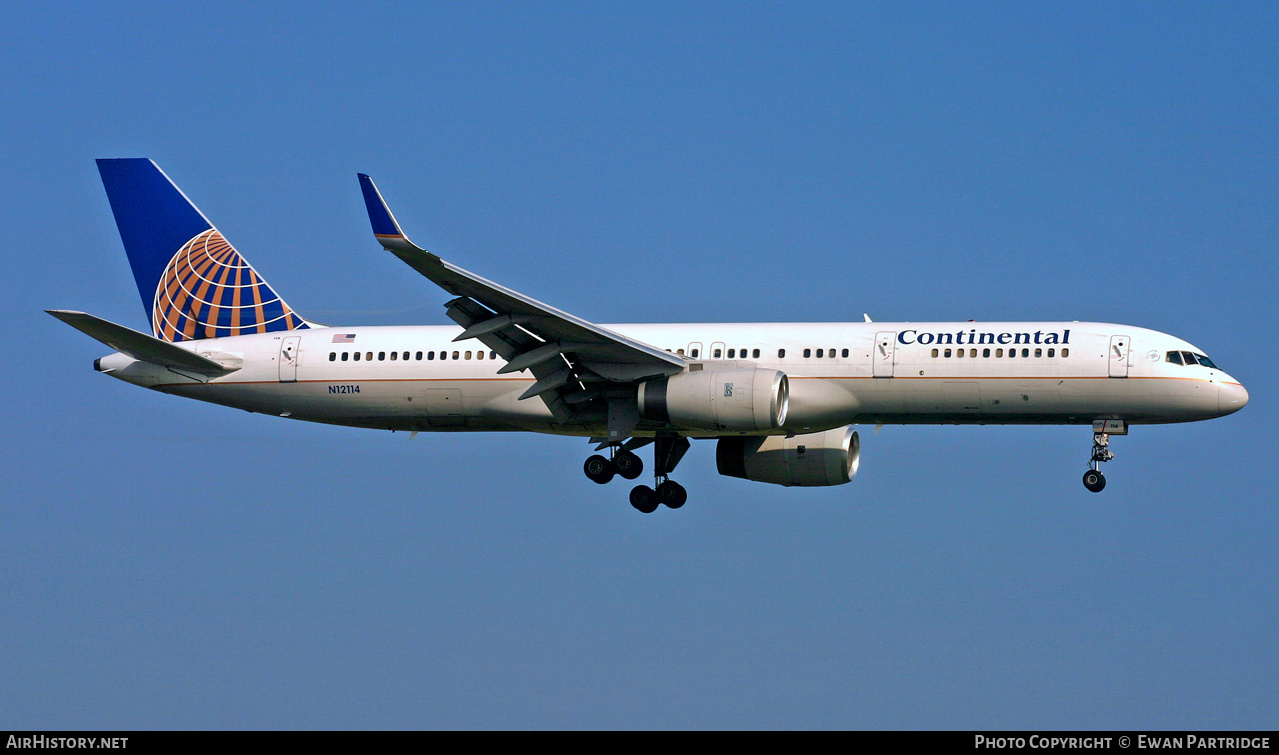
736	400
813	460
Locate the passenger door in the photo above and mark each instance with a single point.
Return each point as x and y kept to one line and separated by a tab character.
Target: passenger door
882	354
1118	356
289	359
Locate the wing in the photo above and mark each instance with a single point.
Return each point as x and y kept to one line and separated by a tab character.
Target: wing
573	360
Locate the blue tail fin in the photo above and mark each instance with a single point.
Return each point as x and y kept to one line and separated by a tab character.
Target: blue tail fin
193	283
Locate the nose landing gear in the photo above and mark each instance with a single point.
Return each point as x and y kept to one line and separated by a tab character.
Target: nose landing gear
1094	480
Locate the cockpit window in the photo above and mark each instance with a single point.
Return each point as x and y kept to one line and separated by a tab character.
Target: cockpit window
1187	358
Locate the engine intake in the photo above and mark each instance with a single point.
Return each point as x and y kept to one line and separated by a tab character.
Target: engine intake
736	400
813	460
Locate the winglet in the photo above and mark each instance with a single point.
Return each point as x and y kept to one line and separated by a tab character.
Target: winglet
385	228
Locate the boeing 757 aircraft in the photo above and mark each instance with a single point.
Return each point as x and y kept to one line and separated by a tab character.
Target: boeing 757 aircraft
779	399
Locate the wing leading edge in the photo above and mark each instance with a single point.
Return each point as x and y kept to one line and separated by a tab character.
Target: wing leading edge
572	359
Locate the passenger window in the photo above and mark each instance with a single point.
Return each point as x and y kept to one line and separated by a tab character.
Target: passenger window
444	355
781	353
1051	353
808	353
1039	353
1065	352
732	353
479	355
715	354
468	355
948	353
1025	353
430	355
419	356
406	356
695	351
344	356
368	356
333	356
819	353
831	353
357	356
393	355
492	355
934	353
1012	353
455	355
999	353
680	352
985	353
755	354
844	353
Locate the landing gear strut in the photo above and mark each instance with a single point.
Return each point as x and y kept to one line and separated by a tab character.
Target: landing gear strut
1094	480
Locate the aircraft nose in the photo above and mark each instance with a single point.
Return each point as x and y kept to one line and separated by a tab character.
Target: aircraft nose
1231	397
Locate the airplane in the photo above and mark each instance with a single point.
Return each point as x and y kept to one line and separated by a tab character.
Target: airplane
779	399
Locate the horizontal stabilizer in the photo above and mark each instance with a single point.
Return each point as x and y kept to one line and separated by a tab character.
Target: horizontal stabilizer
140	346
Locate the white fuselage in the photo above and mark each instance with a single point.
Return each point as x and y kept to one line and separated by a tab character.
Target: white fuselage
839	373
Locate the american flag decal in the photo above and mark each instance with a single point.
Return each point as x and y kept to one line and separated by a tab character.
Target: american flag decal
344	338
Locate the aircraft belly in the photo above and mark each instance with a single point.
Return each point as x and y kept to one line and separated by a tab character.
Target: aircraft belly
507	407
394	404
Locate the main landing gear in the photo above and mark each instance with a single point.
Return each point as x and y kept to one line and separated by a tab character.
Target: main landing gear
668	450
1094	480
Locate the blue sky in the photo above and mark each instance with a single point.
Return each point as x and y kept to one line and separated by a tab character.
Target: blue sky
169	564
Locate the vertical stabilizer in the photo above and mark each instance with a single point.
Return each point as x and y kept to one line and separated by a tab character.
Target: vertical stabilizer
193	283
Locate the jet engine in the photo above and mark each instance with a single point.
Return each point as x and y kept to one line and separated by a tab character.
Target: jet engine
736	400
812	460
